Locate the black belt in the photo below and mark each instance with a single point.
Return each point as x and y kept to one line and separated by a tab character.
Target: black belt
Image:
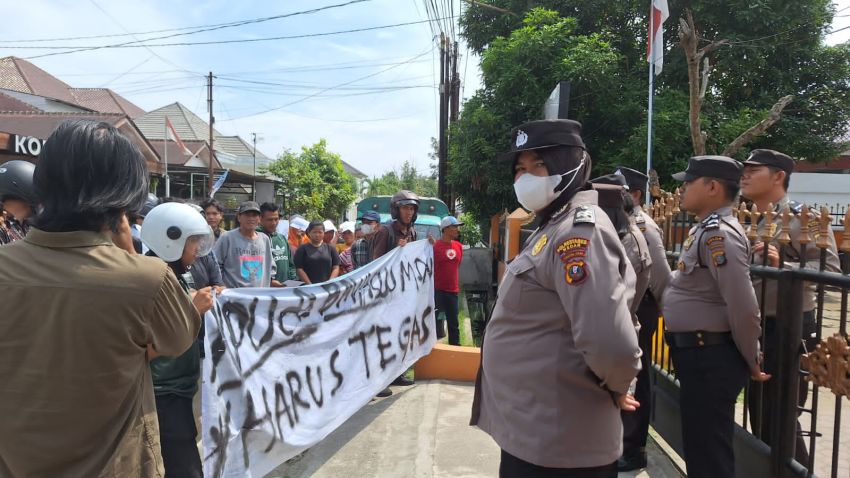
699	338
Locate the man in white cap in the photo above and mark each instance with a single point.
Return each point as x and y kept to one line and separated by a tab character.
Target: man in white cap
330	233
448	253
297	229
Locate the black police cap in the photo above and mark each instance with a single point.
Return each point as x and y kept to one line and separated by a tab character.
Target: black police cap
612	179
719	167
769	157
545	134
634	178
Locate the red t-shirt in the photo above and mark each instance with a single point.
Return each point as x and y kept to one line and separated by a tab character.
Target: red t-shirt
447	257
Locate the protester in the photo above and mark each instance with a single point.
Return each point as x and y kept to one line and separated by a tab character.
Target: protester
244	255
297	232
79	317
448	253
560	349
137	219
330	234
281	253
347	233
178	235
17	198
214	212
765	181
316	261
361	250
712	317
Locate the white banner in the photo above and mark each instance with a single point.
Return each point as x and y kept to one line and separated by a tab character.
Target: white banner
285	367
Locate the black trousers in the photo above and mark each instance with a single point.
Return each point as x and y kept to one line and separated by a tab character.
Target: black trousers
711	379
636	423
513	467
447	302
178	437
766	394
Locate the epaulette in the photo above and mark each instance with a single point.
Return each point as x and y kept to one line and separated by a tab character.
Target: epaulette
795	206
584	215
711	222
639	219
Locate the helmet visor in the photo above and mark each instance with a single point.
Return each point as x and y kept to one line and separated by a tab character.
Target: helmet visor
202	242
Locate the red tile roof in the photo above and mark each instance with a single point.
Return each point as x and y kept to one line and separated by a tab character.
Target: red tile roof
105	101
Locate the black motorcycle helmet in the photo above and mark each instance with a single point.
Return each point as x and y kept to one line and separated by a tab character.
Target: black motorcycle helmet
403	198
16	181
151	202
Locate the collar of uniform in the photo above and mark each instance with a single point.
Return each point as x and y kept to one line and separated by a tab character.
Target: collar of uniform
580	198
722	212
780	206
67	239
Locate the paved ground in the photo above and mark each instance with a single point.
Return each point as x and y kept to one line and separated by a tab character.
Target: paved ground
420	431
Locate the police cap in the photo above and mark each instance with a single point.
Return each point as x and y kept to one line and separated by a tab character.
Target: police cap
769	157
719	167
545	134
612	179
634	178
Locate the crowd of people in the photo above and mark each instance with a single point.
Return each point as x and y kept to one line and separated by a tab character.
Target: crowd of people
101	334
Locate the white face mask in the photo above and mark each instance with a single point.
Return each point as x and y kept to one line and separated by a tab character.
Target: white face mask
536	192
366	229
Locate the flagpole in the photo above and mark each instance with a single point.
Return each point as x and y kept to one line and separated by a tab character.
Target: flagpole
167	179
652	53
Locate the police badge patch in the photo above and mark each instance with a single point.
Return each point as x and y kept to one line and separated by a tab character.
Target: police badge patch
576	272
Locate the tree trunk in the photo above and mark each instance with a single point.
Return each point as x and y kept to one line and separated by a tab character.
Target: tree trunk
760	128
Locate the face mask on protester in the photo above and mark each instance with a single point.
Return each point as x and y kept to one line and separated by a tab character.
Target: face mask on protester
536	192
366	229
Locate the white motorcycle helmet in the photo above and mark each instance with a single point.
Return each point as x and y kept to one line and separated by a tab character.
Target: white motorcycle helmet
168	227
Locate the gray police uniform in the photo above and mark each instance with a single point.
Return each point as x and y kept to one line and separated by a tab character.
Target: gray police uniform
659	276
712	321
560	344
637	251
761	398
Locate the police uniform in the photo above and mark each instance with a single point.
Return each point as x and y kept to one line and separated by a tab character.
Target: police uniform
712	321
793	255
560	345
636	424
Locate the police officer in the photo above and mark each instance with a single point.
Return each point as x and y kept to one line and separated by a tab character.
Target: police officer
615	201
636	425
712	316
560	350
765	181
17	198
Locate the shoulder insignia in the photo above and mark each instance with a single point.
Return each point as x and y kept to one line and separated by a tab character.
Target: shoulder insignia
585	215
639	219
711	222
717	247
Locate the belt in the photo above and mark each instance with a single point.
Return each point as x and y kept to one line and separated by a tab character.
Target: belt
697	339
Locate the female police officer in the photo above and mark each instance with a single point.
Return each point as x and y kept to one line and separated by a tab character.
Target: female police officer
560	350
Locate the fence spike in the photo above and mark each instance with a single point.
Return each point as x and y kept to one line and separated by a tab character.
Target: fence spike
784	235
741	212
845	236
769	226
677	197
753	233
823	228
805	220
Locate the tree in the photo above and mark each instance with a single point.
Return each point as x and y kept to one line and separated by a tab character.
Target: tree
772	50
405	178
314	182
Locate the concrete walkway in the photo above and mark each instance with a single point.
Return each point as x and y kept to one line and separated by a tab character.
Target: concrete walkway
422	432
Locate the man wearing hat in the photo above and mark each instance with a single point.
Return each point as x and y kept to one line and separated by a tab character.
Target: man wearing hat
765	181
244	255
448	253
361	249
636	425
560	349
712	316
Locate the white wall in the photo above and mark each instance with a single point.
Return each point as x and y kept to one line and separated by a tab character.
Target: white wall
820	188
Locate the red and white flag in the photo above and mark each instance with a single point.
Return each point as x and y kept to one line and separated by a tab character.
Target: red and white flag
171	134
655	48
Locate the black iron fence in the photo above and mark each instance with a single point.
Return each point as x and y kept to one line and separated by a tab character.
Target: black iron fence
790	426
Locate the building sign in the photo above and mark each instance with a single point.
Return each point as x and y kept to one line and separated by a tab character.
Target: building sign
18	144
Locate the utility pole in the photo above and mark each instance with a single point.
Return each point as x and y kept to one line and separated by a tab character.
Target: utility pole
455	111
443	149
254	187
210	179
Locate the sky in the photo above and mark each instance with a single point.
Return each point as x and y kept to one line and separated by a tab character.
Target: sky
372	94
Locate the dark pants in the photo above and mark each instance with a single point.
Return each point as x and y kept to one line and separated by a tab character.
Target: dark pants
636	424
447	303
711	379
767	393
513	467
178	437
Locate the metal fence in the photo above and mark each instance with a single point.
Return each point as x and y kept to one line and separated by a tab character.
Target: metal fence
811	379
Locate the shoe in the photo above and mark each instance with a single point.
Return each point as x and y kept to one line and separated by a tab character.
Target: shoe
403	381
631	462
385	393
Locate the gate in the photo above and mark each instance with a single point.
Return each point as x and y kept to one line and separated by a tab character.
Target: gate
814	386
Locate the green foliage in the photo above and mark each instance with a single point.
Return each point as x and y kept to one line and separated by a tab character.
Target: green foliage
314	182
776	49
405	178
470	231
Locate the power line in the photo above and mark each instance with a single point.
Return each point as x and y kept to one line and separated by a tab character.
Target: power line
218	42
